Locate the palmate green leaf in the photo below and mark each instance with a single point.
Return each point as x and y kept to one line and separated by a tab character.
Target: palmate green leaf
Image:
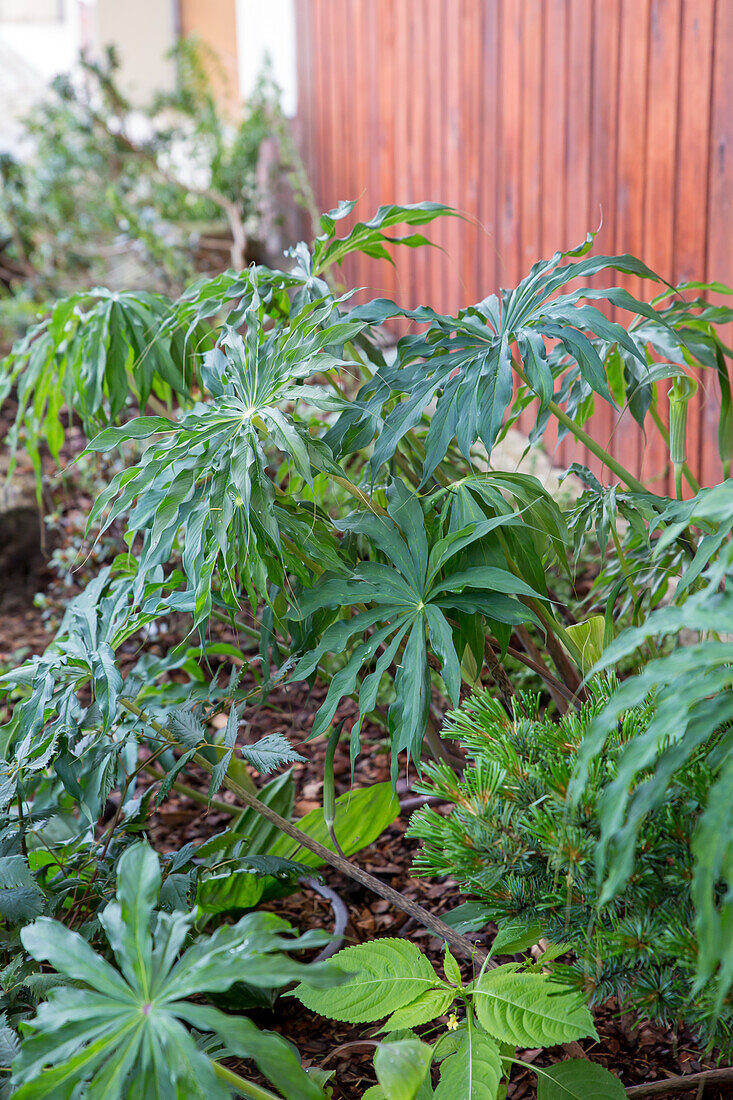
401	1067
50	724
369	237
473	1071
383	975
530	1009
464	364
119	1028
93	352
207	479
413	596
578	1079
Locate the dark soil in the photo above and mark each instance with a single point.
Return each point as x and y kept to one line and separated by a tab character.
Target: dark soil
636	1054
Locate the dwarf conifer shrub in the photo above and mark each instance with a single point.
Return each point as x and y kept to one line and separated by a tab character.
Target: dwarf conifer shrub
512	840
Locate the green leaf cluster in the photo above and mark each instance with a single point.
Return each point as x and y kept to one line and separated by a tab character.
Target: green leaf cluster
504	1007
119	1031
512	841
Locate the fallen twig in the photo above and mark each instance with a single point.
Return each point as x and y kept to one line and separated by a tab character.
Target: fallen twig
682	1084
433	924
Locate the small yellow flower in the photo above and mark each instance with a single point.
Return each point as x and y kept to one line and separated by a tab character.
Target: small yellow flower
452	1022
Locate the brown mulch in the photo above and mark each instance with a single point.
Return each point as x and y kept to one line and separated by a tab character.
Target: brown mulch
636	1054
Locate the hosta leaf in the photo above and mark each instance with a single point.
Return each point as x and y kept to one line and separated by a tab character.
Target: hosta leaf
401	1067
361	817
578	1079
474	1071
382	976
527	1009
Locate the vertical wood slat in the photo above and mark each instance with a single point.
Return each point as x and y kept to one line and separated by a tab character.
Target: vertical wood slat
530	117
659	196
692	172
720	195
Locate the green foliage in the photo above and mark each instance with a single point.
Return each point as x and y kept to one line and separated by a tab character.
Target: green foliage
692	690
94	354
512	842
118	1031
506	1006
285	462
421	582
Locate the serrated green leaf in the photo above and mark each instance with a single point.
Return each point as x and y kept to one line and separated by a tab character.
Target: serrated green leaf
451	968
382	976
270	752
473	1071
426	1007
528	1009
514	936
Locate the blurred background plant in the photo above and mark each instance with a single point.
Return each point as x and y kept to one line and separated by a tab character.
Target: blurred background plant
104	191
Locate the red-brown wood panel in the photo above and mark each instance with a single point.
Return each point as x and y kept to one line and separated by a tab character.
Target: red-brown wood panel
659	193
720	203
510	140
532	118
692	172
628	233
720	208
214	24
578	216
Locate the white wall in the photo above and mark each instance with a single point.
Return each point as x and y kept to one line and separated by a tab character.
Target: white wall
267	28
143	31
49	47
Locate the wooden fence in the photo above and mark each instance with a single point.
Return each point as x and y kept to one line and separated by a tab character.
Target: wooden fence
537	119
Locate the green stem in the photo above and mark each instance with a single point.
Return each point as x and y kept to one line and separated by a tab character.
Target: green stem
595	448
243	628
196	796
623	562
664	432
544	612
678	479
360	495
240	1086
200	759
582	436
